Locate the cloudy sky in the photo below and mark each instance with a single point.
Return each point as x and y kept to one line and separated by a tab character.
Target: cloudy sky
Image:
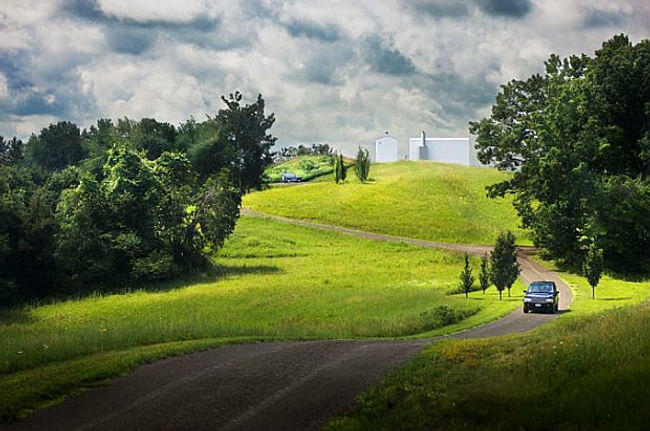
340	72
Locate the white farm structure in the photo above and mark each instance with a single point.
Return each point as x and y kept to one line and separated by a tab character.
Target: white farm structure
445	150
386	149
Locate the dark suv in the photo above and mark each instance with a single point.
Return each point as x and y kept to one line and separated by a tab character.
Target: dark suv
541	295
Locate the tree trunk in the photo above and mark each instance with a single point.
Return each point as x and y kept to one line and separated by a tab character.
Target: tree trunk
508	292
500	295
593	292
466	294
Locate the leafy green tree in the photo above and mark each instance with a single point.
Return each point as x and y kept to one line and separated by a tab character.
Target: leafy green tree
593	266
466	278
245	128
57	146
484	275
362	164
578	142
504	267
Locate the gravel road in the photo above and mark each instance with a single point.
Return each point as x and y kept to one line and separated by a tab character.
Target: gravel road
291	385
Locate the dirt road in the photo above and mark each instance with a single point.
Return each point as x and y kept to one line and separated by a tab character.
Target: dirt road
265	386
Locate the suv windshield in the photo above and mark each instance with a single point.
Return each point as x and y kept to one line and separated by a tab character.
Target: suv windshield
541	288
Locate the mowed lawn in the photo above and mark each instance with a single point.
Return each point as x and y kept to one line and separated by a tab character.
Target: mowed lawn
275	281
425	200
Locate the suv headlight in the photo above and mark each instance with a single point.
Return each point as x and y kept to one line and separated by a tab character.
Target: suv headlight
527	300
548	300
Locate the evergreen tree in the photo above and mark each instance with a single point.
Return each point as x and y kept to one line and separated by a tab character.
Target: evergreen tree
362	164
505	268
484	275
593	266
466	277
344	169
337	169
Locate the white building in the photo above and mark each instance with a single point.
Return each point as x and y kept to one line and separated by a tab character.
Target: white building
386	149
445	150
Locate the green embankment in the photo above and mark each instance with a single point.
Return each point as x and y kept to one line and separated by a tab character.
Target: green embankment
276	281
589	369
425	200
306	167
587	373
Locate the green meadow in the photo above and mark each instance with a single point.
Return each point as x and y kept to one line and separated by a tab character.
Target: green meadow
274	281
424	200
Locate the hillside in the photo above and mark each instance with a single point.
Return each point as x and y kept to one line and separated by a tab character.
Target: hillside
306	167
573	374
425	200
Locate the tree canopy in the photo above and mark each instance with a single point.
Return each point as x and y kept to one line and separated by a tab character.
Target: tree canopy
577	140
126	201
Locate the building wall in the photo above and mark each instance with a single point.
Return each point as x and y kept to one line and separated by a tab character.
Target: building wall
386	149
445	150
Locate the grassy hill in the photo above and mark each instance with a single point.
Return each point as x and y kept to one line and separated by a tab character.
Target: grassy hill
306	167
424	200
275	280
573	374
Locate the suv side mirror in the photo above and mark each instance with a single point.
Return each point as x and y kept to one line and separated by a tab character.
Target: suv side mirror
525	291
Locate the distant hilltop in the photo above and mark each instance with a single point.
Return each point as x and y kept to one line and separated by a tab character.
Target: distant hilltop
445	150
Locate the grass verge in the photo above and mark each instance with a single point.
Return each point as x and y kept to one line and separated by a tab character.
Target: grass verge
29	390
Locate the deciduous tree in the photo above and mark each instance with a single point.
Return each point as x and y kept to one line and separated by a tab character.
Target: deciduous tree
504	267
466	278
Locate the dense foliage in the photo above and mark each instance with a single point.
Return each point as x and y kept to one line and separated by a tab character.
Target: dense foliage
287	153
124	202
578	141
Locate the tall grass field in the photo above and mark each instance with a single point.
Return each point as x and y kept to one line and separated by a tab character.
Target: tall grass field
425	200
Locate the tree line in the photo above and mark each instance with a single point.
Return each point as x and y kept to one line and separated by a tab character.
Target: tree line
124	201
577	140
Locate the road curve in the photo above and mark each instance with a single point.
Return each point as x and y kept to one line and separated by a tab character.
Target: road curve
265	386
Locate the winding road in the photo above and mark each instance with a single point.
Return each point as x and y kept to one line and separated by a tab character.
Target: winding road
266	386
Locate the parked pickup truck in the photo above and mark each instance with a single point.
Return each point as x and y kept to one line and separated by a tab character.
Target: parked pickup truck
542	296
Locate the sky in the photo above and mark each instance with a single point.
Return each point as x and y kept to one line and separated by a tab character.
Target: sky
336	72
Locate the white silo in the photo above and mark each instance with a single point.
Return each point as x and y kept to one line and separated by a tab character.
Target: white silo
386	149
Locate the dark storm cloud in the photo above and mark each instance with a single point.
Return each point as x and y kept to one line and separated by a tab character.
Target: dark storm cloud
322	64
126	40
507	8
440	8
310	30
601	18
89	10
11	67
386	60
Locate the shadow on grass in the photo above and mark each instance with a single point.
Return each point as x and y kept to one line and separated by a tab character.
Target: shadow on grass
18	313
622	298
15	315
